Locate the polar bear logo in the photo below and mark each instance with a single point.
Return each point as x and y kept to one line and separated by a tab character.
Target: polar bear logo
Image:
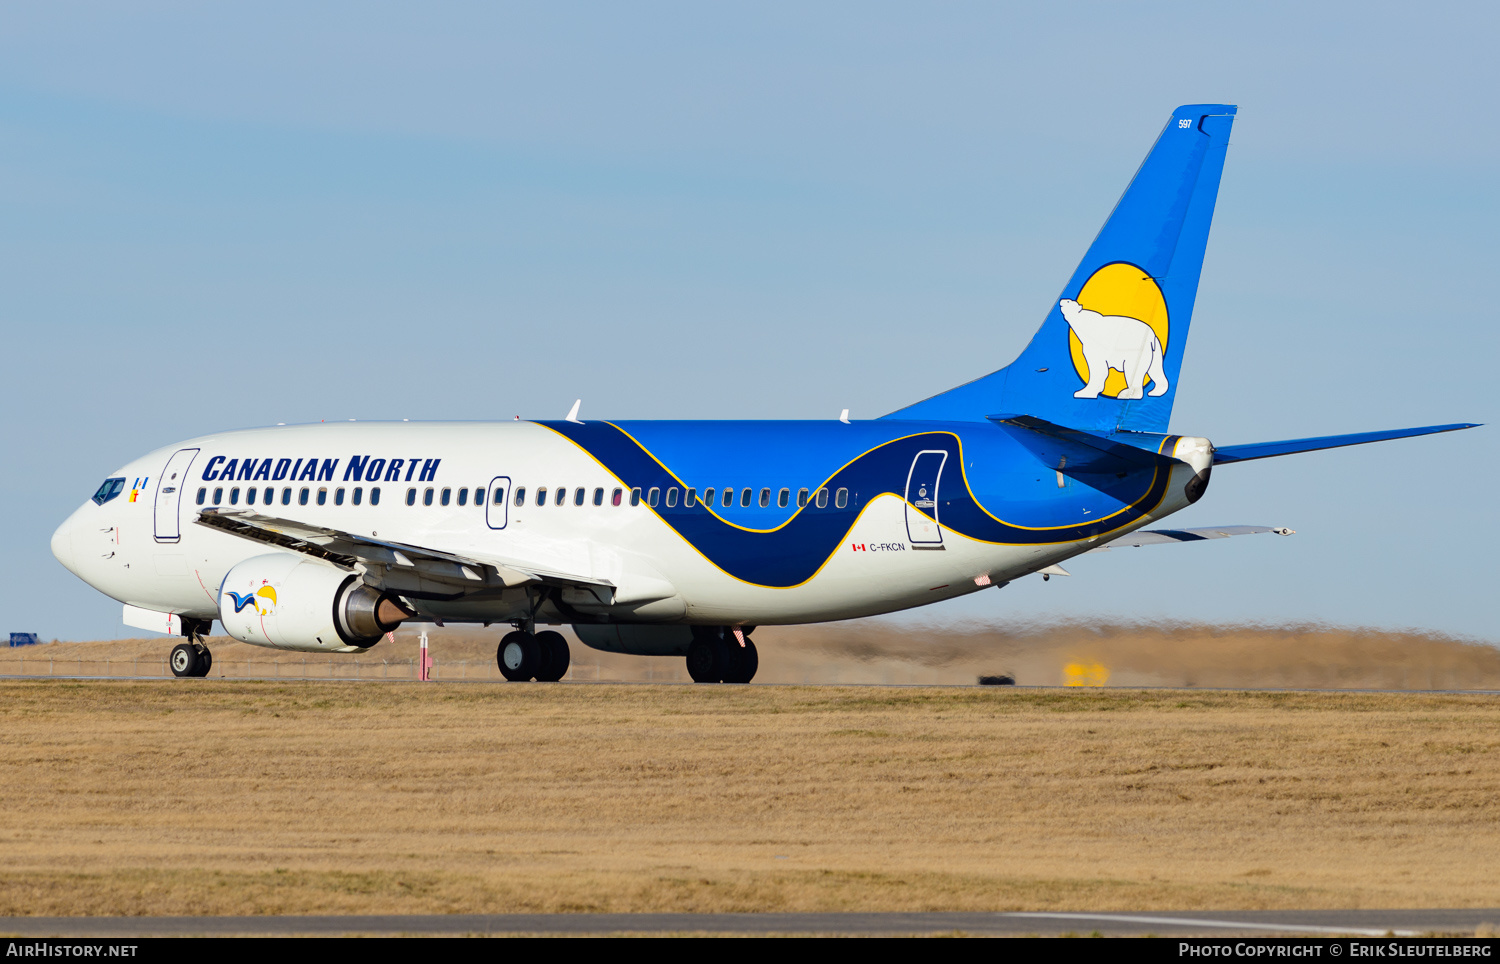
1125	344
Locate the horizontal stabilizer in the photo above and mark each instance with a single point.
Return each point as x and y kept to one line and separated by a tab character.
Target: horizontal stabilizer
1071	450
1265	450
1156	537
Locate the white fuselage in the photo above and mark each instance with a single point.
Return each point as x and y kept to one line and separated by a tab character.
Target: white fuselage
144	549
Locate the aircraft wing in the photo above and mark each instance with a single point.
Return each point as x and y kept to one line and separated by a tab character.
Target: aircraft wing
1152	537
402	568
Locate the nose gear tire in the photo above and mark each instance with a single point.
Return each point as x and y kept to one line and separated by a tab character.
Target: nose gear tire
187	661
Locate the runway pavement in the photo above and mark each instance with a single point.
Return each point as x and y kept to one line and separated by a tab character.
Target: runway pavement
1319	923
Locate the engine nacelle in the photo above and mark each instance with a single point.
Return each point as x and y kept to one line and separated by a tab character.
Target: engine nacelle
288	601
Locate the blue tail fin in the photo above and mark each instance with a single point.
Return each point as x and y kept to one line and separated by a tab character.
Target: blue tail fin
1108	355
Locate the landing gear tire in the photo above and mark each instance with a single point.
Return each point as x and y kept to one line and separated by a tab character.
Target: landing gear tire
703	661
519	656
188	660
555	656
743	661
722	660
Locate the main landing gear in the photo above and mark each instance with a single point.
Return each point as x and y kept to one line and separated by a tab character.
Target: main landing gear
191	659
543	657
722	656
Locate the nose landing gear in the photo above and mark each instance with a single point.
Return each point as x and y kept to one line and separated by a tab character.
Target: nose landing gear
191	659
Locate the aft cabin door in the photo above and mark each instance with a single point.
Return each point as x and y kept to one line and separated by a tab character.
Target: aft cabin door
169	486
497	502
922	526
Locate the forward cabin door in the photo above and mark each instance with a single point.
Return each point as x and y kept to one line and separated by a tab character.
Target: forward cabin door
922	526
497	502
169	486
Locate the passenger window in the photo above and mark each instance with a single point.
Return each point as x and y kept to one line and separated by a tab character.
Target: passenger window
745	499
218	495
302	496
615	499
250	496
375	495
286	496
801	498
541	496
822	498
841	498
671	496
234	496
561	497
322	497
427	496
520	495
499	495
652	496
447	494
109	490
635	496
690	497
728	496
578	496
765	498
359	494
338	497
784	498
269	496
202	494
411	496
708	497
598	497
463	496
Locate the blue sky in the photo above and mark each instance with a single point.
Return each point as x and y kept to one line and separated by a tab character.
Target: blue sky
228	215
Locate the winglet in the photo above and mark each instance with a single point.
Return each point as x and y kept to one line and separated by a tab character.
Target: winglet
573	412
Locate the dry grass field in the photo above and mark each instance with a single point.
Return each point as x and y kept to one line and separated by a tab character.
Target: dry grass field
874	651
229	796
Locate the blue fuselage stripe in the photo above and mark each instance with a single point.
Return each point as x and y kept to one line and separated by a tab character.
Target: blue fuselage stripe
793	551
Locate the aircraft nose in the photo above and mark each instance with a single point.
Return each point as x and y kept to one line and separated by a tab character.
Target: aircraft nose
62	546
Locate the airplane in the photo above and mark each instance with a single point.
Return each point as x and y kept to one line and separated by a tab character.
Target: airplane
679	538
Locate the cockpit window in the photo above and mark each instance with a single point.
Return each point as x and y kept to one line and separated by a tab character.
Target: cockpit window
110	489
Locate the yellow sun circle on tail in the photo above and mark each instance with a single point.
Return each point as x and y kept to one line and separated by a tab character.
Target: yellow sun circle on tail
1120	289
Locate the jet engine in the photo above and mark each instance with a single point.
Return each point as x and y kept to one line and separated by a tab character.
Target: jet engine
288	601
